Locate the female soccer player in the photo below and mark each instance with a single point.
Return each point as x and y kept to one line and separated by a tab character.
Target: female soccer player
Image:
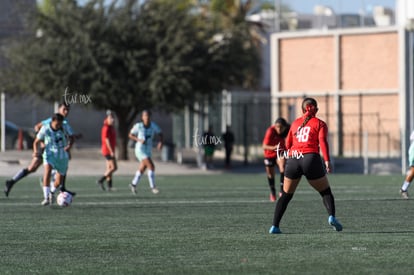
306	135
108	144
273	147
55	153
410	175
63	110
143	133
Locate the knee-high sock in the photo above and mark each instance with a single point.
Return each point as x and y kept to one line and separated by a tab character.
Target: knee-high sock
151	178
46	191
405	186
101	179
52	188
271	182
21	174
328	201
281	206
137	177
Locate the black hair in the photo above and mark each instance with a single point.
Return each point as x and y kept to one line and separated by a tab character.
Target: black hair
308	101
57	117
64	104
285	126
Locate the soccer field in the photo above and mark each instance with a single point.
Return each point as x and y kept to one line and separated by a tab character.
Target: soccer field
212	224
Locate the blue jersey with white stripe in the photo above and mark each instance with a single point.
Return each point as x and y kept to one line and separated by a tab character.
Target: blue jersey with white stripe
66	127
146	133
55	142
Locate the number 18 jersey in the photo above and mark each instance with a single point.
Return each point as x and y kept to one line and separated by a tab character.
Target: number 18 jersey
309	138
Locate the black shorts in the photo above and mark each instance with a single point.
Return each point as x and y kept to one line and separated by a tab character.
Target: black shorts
270	162
109	157
310	165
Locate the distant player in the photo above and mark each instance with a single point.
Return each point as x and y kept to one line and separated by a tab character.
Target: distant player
108	144
274	147
143	133
63	109
410	175
55	154
209	143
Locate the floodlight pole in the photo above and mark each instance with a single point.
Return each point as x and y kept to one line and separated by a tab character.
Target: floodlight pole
278	18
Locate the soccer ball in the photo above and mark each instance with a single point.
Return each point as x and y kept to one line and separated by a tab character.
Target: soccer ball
64	199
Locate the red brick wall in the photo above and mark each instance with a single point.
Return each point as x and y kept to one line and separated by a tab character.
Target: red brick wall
307	64
369	61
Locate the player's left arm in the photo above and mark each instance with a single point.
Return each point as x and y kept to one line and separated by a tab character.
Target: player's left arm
323	143
70	143
71	136
160	136
160	141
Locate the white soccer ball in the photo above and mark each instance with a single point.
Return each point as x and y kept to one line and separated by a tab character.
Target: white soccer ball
64	199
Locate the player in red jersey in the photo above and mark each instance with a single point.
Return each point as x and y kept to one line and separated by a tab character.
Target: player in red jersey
108	141
306	135
273	147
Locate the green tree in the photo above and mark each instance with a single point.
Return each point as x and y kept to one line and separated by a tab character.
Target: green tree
126	56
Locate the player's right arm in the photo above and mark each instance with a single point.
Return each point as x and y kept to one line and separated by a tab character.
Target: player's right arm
38	143
267	140
134	133
39	125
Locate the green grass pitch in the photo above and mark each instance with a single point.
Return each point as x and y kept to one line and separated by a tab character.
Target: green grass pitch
212	224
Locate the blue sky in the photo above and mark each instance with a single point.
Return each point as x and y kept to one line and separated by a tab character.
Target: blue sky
339	6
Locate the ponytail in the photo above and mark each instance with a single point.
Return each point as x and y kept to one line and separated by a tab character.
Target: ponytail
309	108
303	124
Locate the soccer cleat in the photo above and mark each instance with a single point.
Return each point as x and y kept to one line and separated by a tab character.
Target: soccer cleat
274	230
100	183
335	223
133	188
63	189
404	194
155	190
7	188
272	197
45	202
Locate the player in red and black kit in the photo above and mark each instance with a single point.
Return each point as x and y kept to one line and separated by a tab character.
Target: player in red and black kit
307	134
108	140
273	147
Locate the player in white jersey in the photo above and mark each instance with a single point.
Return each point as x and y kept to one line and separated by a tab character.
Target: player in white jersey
63	109
143	133
410	174
55	153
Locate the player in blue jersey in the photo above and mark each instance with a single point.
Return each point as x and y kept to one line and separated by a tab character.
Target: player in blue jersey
63	109
143	133
53	139
410	174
